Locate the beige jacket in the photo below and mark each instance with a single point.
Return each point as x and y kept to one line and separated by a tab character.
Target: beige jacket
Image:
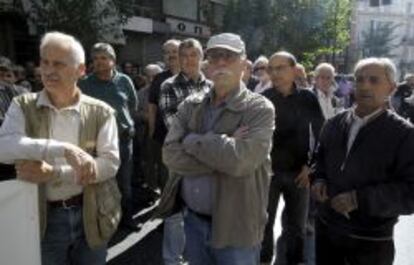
101	201
241	167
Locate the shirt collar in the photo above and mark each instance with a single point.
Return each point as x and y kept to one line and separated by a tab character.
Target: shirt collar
182	78
44	101
367	118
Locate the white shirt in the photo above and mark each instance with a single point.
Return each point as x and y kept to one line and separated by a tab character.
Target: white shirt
325	101
64	128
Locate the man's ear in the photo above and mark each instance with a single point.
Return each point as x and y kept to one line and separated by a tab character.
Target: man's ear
81	69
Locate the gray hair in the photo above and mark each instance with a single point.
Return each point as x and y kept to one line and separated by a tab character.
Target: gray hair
104	48
191	43
152	68
62	39
387	64
324	67
261	59
174	42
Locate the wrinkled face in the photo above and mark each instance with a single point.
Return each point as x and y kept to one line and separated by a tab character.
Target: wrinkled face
102	62
7	76
226	67
324	80
281	72
260	71
190	61
372	88
170	53
128	68
58	70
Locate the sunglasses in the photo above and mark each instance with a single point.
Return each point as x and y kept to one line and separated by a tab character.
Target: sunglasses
279	68
372	79
216	55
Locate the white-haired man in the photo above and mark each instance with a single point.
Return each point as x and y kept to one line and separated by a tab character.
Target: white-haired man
67	143
364	175
324	89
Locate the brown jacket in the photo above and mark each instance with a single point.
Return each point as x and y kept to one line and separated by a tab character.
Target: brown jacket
241	167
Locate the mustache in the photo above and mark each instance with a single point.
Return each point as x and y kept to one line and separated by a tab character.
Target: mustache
51	77
220	71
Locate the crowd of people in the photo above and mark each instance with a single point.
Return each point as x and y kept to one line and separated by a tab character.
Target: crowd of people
220	138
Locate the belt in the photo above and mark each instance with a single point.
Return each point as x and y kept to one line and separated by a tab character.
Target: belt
71	202
204	217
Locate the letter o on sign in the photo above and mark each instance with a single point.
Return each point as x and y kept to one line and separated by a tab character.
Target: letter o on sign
181	27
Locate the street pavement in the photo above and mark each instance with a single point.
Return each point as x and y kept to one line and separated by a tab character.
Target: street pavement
144	246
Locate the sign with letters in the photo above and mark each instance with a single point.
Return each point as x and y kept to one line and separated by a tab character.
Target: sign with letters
188	28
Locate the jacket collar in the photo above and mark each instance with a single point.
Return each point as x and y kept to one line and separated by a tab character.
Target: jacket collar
235	101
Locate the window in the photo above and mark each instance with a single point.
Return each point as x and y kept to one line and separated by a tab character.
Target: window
386	2
374	2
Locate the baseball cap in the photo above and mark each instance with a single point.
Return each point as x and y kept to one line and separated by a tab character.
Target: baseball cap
228	41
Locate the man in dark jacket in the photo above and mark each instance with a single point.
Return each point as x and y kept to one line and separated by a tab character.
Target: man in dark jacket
298	121
364	175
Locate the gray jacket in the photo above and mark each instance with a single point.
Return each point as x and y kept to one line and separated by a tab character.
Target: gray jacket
241	167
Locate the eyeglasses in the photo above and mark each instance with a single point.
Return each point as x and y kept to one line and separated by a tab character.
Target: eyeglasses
279	68
214	56
260	68
372	79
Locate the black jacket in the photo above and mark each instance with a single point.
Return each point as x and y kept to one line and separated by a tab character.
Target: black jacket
295	115
379	167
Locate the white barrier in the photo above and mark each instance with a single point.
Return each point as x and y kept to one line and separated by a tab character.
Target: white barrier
19	223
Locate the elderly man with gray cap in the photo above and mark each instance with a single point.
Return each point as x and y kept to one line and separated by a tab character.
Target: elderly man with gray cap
116	89
217	151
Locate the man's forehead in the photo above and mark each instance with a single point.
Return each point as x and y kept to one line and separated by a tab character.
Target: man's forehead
373	68
278	60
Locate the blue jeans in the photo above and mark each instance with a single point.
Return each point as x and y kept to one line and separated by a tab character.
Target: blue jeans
198	251
123	177
65	243
174	239
290	245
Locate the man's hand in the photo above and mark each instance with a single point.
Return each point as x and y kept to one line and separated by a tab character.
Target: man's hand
82	163
34	171
302	180
319	191
241	132
344	203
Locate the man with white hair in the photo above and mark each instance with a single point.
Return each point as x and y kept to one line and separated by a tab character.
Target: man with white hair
364	175
324	90
66	143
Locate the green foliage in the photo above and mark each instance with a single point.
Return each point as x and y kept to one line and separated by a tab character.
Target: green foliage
307	28
379	42
89	21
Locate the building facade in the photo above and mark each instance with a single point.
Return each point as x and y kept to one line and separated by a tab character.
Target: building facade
372	15
138	41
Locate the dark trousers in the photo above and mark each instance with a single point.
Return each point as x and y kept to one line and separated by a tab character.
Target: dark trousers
334	248
123	177
290	245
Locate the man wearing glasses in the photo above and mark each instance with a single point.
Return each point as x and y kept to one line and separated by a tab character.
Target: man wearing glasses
298	121
364	175
217	151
